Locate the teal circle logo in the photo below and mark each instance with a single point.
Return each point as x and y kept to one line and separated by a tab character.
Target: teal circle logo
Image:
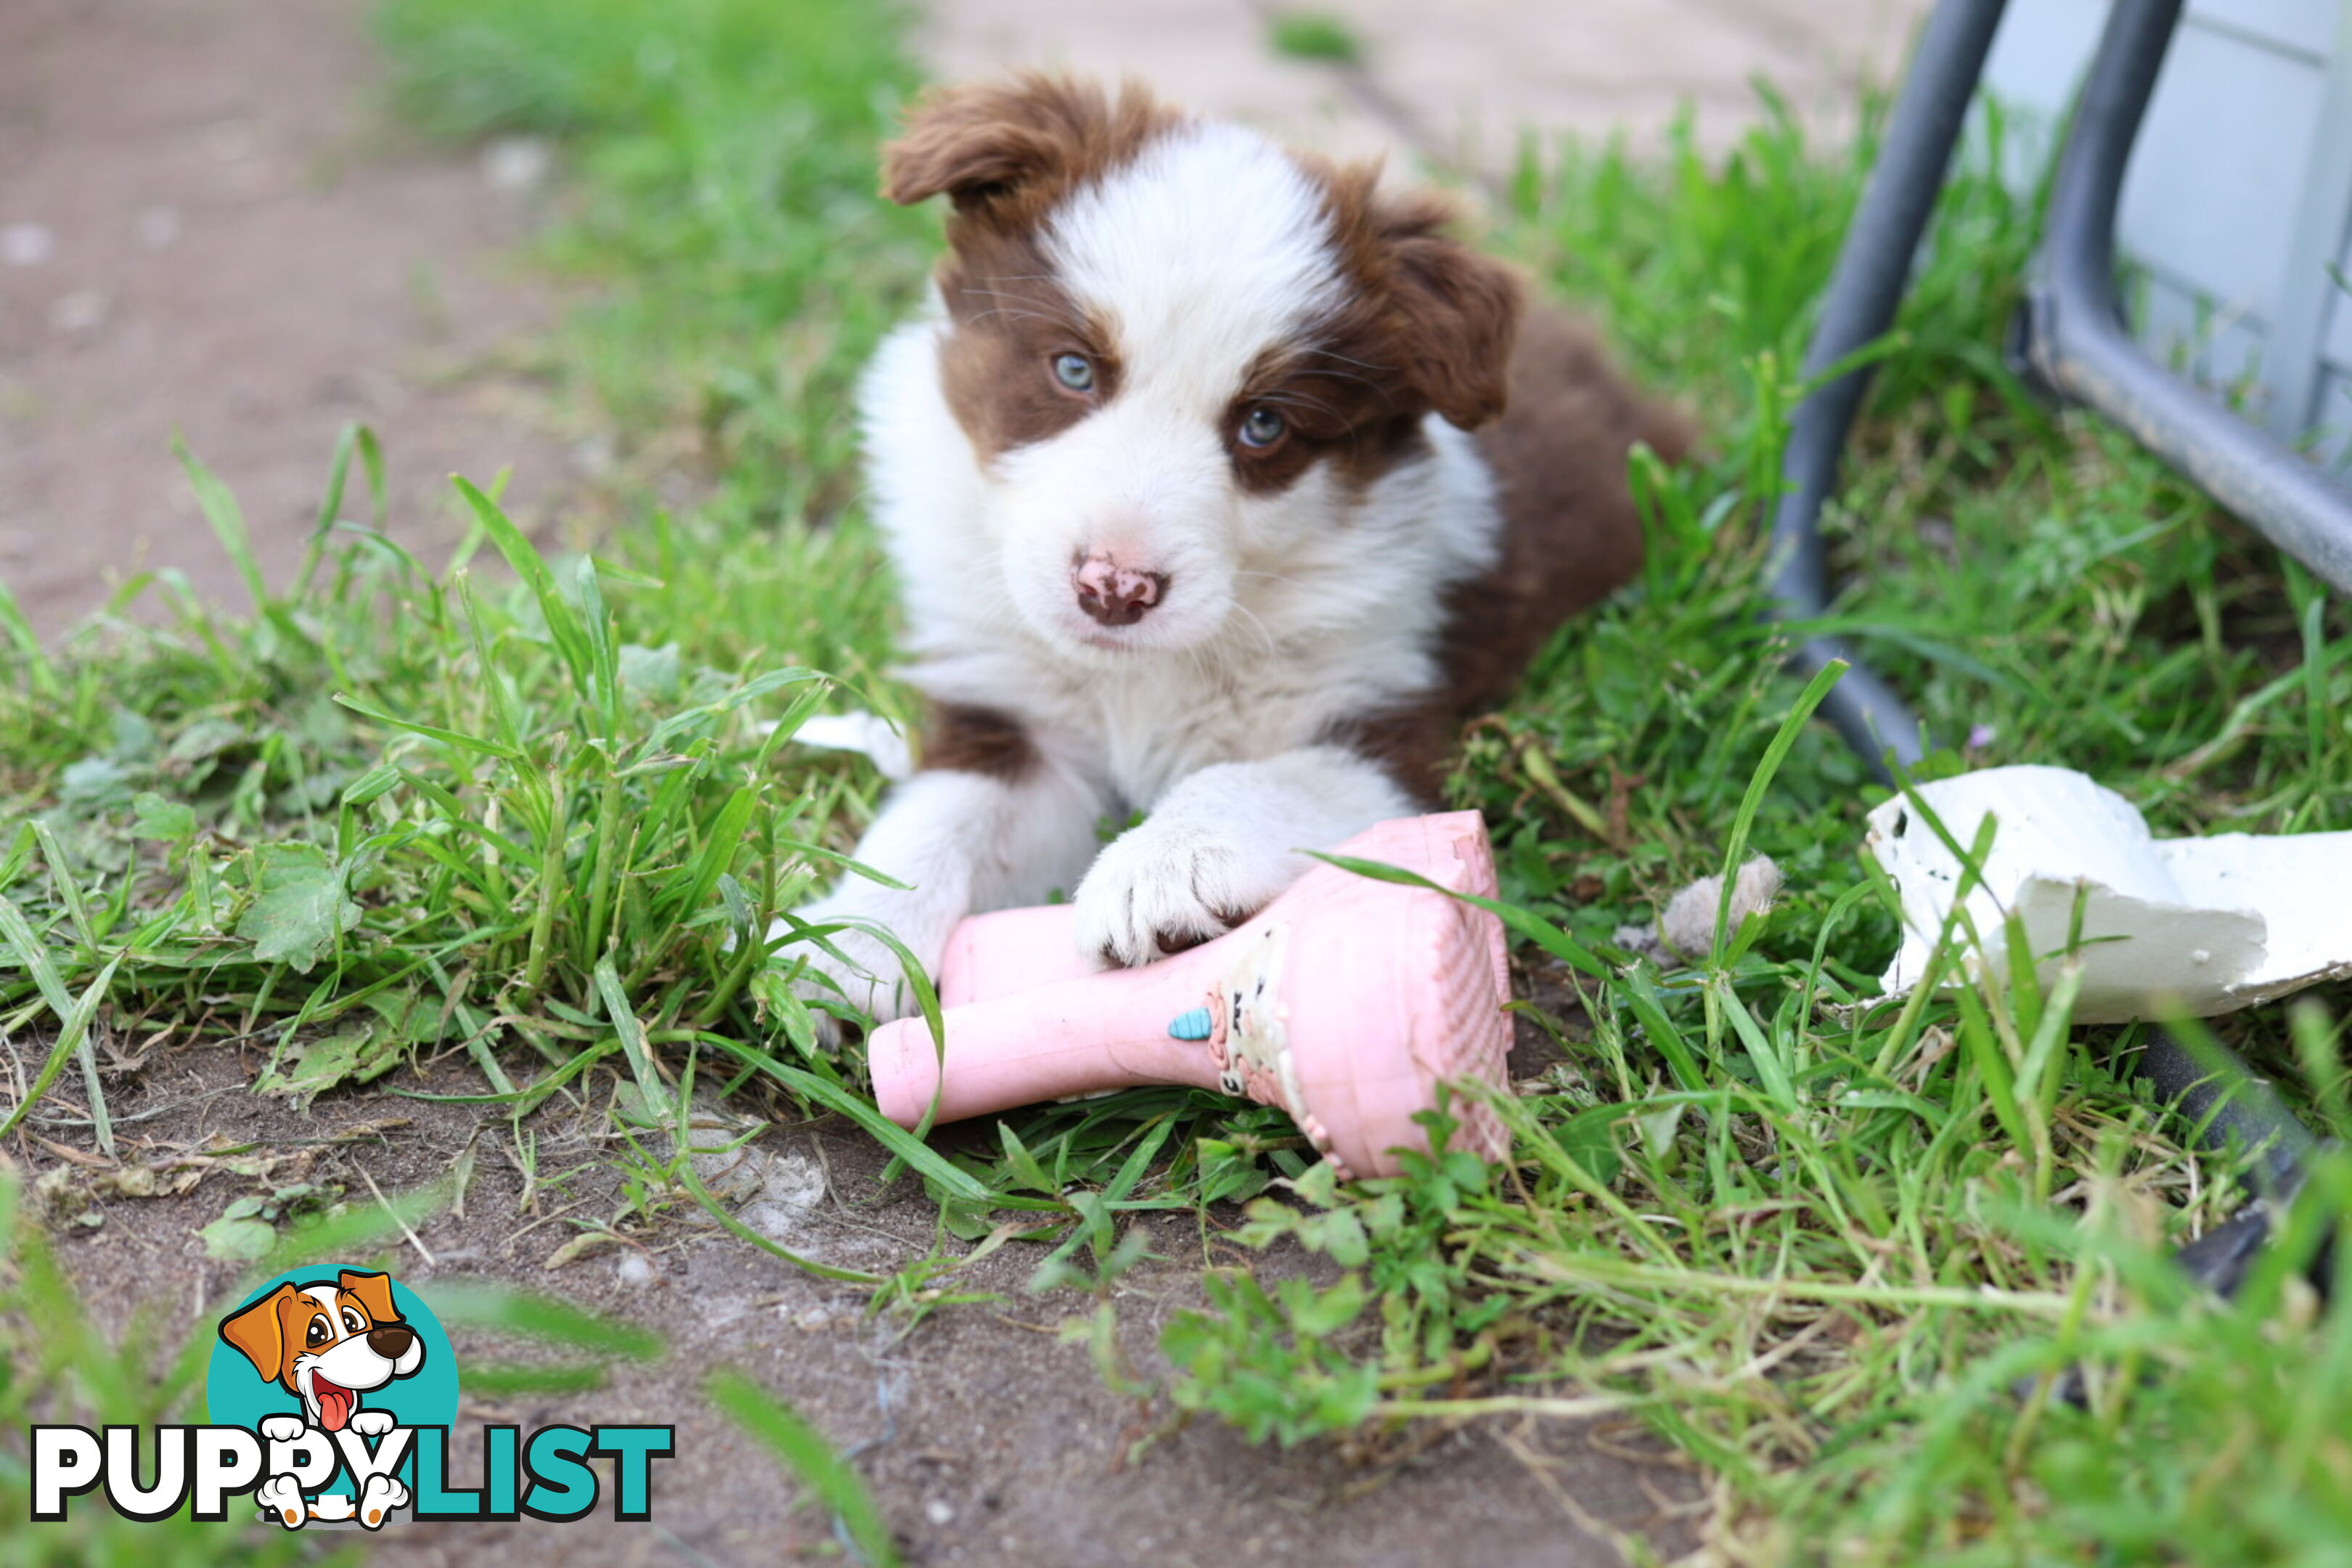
342	1352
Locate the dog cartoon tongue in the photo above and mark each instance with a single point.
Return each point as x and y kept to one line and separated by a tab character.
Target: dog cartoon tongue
335	1403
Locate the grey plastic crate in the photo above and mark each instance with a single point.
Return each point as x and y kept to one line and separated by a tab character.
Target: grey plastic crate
2238	204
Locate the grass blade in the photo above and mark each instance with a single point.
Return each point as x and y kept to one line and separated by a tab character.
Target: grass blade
801	1447
1735	849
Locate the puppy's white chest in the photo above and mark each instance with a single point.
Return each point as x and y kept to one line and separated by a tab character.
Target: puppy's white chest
1153	728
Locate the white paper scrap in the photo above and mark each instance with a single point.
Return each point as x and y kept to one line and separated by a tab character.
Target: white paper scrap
2201	925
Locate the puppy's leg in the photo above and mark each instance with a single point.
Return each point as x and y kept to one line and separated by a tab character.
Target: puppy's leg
962	842
280	1497
378	1498
1221	845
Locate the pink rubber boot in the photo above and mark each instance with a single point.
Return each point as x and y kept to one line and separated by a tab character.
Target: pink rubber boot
1344	1002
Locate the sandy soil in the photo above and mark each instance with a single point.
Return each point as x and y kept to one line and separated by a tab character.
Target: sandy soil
208	226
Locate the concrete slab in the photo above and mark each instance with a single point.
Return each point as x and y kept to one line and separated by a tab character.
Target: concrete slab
1461	83
1213	54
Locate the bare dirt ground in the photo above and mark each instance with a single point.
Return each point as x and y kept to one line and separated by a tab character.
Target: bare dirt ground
209	224
986	1433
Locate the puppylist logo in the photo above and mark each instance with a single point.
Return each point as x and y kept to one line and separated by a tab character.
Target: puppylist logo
331	1395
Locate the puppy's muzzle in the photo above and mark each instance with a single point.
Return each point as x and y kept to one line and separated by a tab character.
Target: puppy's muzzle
1113	594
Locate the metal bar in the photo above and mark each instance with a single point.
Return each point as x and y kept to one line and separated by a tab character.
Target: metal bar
2231	1109
2077	343
2229	1105
1873	267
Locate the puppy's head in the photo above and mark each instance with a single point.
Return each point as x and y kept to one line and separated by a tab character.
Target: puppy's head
1180	354
327	1344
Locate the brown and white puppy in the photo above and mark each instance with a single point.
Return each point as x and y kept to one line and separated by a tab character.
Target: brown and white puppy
1220	485
328	1343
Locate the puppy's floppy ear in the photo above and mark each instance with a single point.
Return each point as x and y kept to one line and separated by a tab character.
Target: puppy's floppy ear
375	1293
979	143
1457	312
259	1333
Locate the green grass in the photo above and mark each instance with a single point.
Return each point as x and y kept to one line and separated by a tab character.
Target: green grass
1314	35
1811	1241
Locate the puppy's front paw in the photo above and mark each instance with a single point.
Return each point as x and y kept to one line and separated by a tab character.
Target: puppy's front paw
868	976
371	1423
1160	889
378	1498
282	1428
280	1497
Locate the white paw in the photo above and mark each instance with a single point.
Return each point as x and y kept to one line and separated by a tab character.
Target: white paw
869	976
280	1496
378	1498
1160	889
282	1428
371	1423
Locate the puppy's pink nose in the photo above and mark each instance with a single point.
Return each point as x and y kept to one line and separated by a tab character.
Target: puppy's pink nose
1112	594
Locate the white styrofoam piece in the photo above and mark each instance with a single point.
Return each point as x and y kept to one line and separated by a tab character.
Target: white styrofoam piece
2201	925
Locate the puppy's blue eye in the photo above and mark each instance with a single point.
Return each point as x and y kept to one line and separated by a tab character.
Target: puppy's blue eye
1075	372
1262	428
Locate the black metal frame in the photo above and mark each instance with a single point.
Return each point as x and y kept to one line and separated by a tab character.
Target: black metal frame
1873	269
2075	343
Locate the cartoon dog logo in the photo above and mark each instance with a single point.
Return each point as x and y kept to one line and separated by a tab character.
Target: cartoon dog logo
328	1343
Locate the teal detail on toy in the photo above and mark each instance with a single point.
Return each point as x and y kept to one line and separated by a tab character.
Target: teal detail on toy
1191	1026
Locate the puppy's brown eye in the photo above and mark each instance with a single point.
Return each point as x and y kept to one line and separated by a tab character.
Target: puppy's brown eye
1262	428
352	1322
1075	372
318	1332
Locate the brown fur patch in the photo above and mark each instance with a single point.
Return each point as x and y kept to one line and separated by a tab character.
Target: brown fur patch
1426	323
1358	414
968	740
374	1293
1439	316
1569	537
1011	319
1005	150
1006	153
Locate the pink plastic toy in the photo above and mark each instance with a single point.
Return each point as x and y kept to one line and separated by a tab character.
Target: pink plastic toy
1344	1002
